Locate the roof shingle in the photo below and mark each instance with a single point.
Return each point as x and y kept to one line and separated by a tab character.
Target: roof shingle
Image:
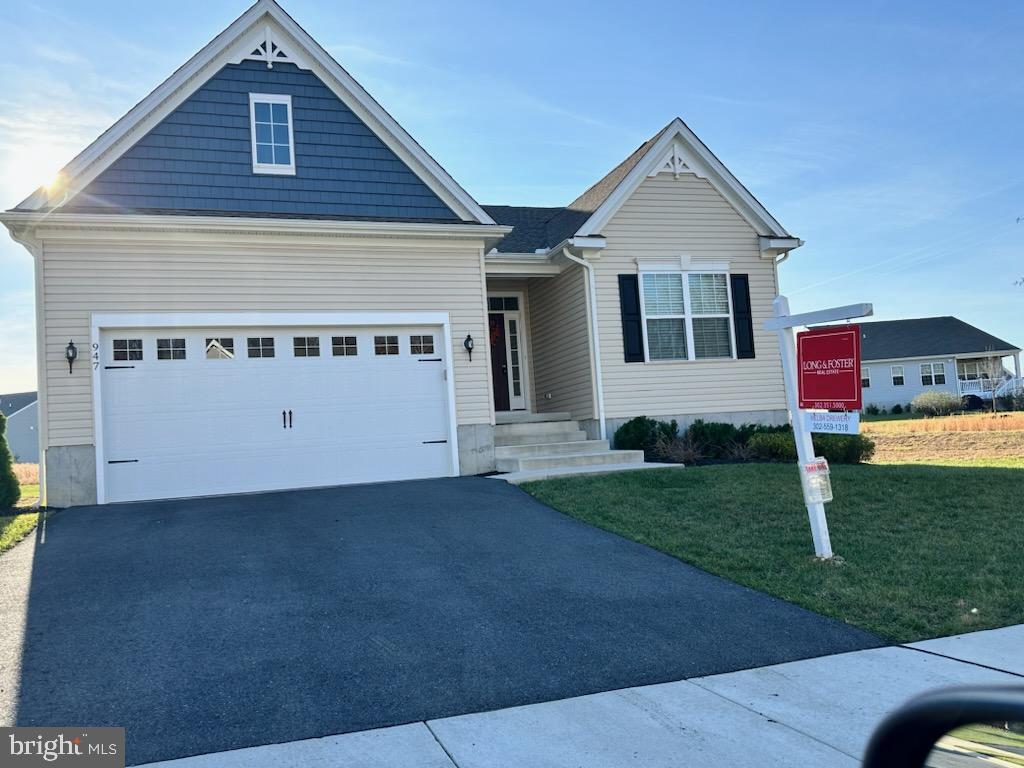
925	337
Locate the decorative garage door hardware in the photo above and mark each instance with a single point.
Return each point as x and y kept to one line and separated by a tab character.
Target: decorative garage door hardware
431	360
124	461
117	367
286	420
434	442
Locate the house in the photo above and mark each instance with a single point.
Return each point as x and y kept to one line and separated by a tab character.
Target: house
269	284
902	358
22	432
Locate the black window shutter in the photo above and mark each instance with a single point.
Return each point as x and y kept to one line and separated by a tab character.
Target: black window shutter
632	331
742	317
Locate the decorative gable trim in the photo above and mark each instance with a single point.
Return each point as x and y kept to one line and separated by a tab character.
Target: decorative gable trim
678	151
267	46
677	161
239	41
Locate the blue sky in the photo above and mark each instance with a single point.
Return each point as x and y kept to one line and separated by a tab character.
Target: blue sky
886	135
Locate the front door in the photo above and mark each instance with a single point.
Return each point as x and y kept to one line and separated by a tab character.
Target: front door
508	361
499	361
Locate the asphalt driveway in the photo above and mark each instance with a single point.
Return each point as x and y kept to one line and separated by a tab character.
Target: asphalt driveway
212	624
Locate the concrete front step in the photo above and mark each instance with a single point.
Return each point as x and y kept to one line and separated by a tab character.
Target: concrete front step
550	449
566	460
527	417
600	469
534	431
566	435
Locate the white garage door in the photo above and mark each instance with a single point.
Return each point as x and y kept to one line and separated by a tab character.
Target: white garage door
210	411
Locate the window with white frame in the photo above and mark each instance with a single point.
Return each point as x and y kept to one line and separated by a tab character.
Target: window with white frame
222	348
896	371
260	346
306	346
687	315
865	377
273	144
421	345
127	349
385	345
170	349
971	371
343	346
933	373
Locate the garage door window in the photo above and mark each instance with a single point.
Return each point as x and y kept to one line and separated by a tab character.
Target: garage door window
127	349
421	345
307	346
385	345
220	349
170	349
343	346
261	346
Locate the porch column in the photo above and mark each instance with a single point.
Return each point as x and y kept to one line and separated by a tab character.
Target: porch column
1016	365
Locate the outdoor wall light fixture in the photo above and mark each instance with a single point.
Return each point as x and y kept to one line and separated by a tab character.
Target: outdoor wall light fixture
468	344
71	354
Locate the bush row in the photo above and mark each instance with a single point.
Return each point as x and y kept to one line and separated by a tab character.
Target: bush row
717	441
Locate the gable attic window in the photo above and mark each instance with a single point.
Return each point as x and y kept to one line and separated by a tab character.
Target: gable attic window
273	144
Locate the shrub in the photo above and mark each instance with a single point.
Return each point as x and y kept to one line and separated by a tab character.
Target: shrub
680	450
715	439
643	434
936	403
897	409
773	446
871	409
837	449
10	491
844	449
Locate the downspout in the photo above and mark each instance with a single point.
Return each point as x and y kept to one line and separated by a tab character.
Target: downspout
595	338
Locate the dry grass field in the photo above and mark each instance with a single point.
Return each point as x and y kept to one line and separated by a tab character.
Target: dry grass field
27	474
976	439
967	422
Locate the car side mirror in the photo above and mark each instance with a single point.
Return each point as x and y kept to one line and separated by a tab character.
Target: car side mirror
953	727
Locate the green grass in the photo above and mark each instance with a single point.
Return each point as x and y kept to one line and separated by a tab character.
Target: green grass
29	494
986	734
1006	462
926	551
14	528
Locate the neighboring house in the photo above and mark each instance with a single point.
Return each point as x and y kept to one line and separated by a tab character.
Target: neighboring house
903	358
22	412
272	285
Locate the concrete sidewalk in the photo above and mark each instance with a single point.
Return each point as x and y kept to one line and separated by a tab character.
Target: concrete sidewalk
817	712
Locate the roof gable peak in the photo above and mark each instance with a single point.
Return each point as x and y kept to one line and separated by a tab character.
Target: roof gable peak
264	32
674	149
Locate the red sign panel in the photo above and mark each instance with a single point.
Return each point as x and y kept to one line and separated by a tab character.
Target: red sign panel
829	368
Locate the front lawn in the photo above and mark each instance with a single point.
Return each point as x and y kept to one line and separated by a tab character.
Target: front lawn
926	551
14	528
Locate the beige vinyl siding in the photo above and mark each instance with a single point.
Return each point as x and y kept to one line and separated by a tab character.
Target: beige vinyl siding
177	275
561	344
669	217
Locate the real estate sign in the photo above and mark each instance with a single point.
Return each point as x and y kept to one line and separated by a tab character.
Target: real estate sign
834	422
828	368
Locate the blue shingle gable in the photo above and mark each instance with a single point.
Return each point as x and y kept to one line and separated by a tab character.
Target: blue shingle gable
199	159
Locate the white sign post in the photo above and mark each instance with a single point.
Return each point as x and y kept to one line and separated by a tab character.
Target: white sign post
785	324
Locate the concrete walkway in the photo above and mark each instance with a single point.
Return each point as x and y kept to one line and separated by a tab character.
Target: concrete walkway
817	712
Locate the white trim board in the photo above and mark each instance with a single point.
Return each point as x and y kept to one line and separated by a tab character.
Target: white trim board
678	150
264	17
107	321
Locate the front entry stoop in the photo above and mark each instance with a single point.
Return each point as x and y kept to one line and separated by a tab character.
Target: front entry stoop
535	446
